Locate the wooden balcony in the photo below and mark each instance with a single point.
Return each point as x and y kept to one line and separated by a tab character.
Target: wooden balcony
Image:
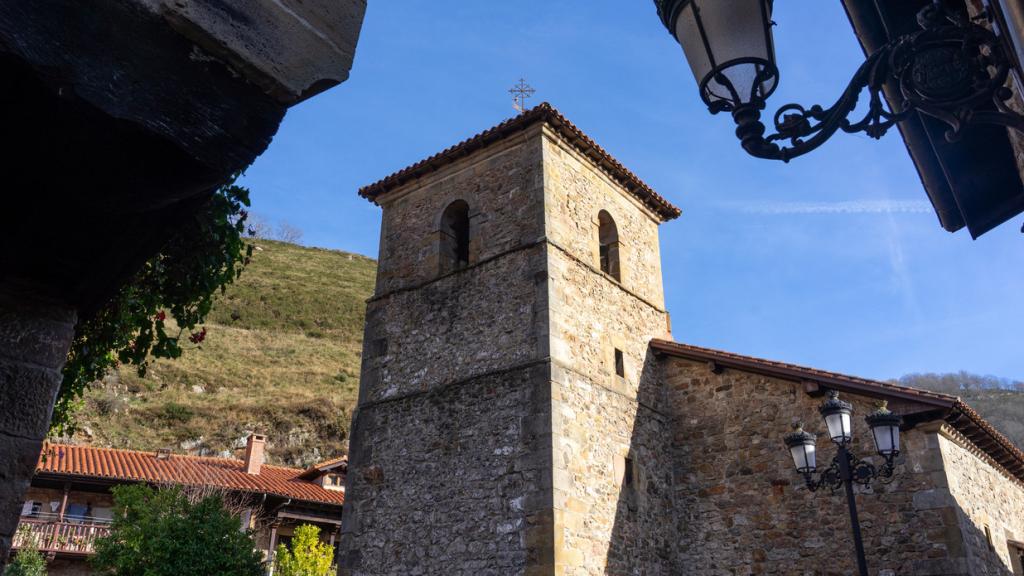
59	537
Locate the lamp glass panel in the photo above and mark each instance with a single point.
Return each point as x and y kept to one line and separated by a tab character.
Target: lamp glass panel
689	37
804	457
734	29
887	439
839	426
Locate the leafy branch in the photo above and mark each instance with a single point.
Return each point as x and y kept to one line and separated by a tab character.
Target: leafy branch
178	284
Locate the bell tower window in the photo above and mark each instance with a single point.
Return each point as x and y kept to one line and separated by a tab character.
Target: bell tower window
608	239
454	248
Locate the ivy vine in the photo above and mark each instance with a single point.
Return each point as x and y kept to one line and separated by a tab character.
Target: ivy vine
160	311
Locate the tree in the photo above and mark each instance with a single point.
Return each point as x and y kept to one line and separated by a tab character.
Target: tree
308	555
166	533
28	561
158	312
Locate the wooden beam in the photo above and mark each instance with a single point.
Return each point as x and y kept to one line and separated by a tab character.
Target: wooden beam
64	502
813	389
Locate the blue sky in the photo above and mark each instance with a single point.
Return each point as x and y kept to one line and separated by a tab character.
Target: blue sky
834	260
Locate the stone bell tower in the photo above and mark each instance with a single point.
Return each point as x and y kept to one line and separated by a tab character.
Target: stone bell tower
508	418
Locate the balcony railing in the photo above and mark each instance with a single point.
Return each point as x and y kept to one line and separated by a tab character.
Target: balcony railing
59	537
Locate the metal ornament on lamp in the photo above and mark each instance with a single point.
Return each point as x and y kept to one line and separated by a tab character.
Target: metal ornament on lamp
952	69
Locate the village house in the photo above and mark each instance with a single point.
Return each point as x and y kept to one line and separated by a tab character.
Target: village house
69	503
523	392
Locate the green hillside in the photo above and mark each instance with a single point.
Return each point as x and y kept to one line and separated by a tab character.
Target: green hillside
281	357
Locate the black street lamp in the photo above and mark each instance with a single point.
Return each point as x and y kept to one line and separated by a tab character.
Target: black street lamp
847	468
953	69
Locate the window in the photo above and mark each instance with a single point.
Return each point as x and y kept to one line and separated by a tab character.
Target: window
627	473
620	364
608	238
454	252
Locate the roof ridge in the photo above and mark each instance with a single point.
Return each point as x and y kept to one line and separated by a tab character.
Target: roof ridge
881	383
543	112
976	429
155	453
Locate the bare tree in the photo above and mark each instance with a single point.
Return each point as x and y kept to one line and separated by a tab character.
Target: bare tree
258	227
288	233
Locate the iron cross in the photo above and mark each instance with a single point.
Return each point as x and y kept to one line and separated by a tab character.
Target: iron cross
520	92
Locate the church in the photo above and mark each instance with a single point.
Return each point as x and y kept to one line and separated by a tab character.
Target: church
524	408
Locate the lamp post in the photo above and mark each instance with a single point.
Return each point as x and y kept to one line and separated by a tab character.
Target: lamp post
846	468
953	69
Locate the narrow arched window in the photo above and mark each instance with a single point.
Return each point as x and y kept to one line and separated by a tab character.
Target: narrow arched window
455	236
608	237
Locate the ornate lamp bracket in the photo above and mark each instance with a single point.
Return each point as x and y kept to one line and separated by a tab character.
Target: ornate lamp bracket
953	69
861	472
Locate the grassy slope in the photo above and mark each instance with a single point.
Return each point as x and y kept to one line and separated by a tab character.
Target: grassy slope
281	357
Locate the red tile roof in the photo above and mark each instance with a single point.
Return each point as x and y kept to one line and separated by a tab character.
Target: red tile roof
952	409
137	466
546	113
319	468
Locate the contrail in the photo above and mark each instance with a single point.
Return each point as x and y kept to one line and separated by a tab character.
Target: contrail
848	207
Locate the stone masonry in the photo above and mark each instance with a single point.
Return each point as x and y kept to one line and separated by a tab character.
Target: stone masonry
525	414
740	508
490	410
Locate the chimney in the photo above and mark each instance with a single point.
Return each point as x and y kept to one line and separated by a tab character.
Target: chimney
254	453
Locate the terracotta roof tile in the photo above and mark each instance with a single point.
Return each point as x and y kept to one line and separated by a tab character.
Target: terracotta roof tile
543	112
227	473
320	467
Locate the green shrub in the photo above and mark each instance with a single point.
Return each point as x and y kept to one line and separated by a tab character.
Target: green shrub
308	556
27	562
167	533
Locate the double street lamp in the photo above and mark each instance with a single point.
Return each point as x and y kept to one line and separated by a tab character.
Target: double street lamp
846	468
953	69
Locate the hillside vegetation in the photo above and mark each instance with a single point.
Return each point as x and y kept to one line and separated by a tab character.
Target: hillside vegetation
998	400
281	358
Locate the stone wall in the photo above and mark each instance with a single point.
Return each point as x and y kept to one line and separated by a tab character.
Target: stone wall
612	497
989	502
743	510
450	458
575	191
455	481
485	318
490	410
502	185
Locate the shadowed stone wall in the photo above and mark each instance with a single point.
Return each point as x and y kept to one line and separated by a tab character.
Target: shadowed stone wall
743	510
449	467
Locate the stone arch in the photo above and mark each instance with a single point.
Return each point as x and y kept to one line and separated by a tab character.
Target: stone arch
454	236
609	245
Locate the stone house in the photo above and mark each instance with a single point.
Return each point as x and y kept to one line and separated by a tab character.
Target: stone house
522	396
69	503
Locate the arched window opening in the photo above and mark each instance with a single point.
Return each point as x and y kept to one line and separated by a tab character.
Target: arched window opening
455	236
608	237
